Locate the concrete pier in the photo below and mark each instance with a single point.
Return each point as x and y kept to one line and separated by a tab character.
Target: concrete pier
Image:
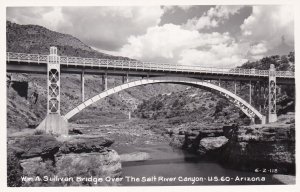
54	124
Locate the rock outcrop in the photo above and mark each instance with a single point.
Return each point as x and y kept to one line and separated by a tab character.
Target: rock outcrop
202	140
135	156
66	157
254	148
270	147
209	144
43	146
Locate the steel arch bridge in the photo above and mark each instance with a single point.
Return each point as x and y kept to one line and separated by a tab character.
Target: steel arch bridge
152	73
249	110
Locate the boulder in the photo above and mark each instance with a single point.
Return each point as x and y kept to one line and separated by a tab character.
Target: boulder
85	144
84	165
177	141
135	156
100	164
44	146
209	144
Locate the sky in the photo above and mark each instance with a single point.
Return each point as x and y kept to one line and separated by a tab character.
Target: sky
221	36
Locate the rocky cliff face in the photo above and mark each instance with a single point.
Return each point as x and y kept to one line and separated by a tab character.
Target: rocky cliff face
203	140
45	157
270	147
254	148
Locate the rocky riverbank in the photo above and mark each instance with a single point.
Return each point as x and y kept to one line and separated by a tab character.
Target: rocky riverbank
257	148
262	148
77	156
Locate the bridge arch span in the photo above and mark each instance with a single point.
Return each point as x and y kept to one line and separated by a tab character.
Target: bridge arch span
249	110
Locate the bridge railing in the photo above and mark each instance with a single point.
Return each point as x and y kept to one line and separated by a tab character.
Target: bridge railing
24	57
284	73
138	65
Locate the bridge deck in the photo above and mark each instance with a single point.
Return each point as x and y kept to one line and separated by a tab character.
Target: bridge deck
22	62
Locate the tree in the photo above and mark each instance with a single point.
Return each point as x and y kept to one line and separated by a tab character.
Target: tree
291	56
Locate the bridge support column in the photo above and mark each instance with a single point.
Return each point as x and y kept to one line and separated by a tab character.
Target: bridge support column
54	123
104	81
234	86
82	86
250	92
125	78
272	94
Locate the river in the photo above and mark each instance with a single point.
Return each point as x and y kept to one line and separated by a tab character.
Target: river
174	166
168	166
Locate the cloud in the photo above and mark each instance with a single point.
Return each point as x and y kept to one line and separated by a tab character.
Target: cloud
258	49
213	17
45	16
267	26
224	55
172	43
137	32
201	23
211	59
172	8
101	27
224	11
109	27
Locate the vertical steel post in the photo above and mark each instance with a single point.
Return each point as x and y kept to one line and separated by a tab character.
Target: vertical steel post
234	86
105	82
82	85
272	94
54	123
53	82
250	92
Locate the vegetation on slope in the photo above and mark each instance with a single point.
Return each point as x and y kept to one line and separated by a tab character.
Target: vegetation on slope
197	105
282	63
37	40
27	93
157	101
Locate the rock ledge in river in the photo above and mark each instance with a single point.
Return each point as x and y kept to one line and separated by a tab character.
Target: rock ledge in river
213	143
136	156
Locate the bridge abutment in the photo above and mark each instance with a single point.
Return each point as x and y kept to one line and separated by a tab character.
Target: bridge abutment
54	124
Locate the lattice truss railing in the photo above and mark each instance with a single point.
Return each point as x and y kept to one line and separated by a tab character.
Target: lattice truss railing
138	65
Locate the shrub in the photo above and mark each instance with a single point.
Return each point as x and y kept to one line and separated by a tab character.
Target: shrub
14	170
38	132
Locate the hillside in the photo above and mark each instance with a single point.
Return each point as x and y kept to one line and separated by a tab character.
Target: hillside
28	91
282	63
194	105
37	39
173	104
190	105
